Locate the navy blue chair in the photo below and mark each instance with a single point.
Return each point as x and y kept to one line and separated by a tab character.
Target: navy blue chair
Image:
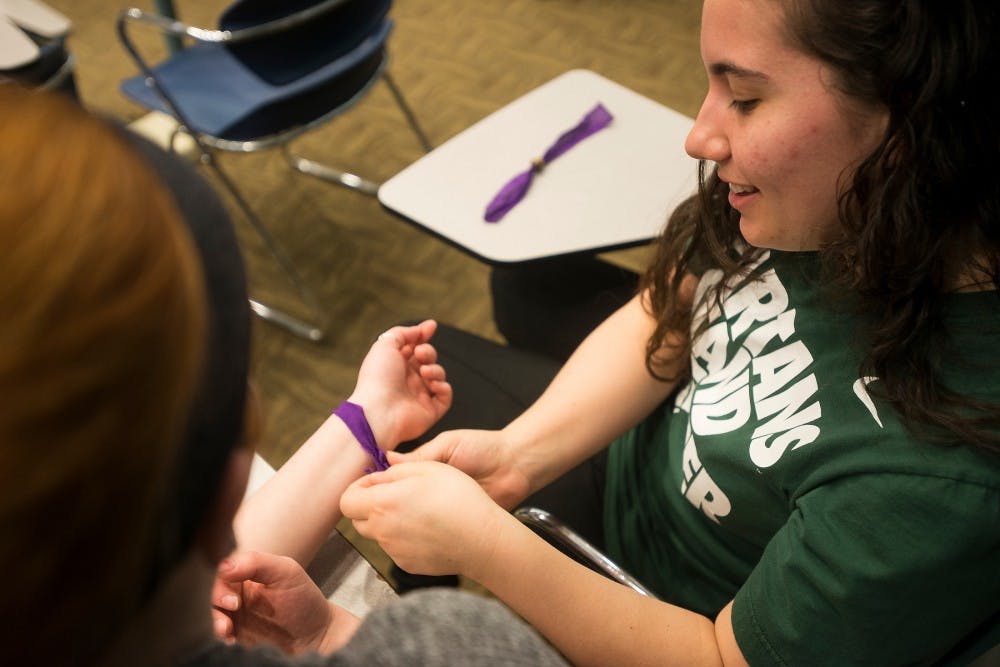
269	73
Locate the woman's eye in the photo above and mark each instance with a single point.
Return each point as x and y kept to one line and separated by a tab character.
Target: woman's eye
744	106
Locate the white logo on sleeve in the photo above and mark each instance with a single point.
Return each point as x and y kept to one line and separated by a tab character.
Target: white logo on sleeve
861	391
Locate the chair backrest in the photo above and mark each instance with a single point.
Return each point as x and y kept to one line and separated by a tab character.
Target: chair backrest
314	43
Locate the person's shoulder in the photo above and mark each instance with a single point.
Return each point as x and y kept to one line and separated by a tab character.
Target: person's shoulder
926	473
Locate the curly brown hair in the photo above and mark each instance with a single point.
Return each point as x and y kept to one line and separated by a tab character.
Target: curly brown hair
919	215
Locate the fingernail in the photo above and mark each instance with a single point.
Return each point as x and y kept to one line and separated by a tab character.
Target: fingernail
230	602
220	627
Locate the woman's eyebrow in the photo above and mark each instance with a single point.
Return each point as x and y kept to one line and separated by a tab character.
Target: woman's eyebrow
726	68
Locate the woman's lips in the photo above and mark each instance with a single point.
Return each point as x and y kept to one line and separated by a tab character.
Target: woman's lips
740	195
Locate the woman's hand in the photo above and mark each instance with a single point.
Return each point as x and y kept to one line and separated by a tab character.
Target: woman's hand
485	456
401	386
261	598
429	518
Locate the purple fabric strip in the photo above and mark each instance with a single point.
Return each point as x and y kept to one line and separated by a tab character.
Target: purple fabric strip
353	415
514	191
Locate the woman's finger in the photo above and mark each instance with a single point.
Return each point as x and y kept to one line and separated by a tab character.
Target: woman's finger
433	372
222	625
442	393
425	353
412	335
226	594
255	566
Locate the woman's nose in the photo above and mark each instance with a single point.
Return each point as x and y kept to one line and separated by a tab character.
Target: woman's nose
707	140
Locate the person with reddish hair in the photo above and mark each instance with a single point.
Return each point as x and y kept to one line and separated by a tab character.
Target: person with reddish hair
126	434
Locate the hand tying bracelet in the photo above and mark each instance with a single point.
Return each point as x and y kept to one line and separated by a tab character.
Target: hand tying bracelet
353	415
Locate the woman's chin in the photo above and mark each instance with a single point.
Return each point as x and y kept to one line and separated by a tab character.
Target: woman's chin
754	235
763	236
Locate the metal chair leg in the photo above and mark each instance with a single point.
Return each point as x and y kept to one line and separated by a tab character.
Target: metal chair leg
405	108
347	179
298	327
329	174
283	319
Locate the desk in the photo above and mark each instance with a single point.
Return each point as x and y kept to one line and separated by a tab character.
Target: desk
342	573
613	190
16	48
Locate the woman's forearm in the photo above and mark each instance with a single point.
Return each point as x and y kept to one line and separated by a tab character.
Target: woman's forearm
589	618
296	510
602	391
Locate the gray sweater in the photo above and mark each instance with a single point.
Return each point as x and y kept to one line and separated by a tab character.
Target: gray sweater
432	627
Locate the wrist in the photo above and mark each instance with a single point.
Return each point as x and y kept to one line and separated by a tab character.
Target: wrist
521	460
488	561
340	626
538	452
354	417
379	418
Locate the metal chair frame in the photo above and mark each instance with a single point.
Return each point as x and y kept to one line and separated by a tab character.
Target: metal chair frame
207	143
569	542
61	75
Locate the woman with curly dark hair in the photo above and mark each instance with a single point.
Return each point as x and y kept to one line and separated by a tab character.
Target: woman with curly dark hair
803	400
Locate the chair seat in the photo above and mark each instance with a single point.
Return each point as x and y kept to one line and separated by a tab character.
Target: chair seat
220	97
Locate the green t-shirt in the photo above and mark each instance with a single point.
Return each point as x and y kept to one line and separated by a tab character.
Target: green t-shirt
775	479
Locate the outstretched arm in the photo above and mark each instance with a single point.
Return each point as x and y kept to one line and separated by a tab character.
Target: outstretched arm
403	391
602	390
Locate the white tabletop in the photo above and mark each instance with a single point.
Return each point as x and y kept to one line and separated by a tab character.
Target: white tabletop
612	190
16	48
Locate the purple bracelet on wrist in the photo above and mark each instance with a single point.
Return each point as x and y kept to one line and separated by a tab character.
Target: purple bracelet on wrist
353	415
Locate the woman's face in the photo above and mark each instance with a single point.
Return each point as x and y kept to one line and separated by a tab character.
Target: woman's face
782	136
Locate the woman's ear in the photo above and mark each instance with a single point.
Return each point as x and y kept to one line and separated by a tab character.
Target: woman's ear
215	536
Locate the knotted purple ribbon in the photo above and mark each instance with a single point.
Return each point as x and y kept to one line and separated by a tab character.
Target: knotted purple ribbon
596	120
353	415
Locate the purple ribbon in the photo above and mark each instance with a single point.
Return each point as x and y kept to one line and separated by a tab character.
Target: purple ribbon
596	120
353	415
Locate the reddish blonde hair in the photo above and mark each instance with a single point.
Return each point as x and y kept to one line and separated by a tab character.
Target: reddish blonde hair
101	337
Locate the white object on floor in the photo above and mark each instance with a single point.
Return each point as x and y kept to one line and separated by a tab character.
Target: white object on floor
159	127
